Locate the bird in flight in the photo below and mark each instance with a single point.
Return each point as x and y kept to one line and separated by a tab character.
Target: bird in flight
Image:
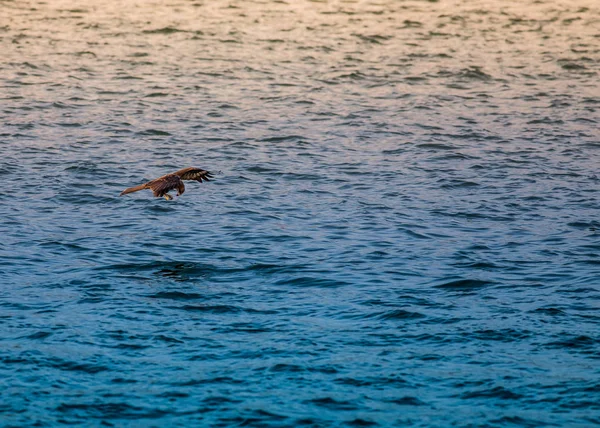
161	186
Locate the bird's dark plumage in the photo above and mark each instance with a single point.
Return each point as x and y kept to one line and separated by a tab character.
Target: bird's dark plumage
163	185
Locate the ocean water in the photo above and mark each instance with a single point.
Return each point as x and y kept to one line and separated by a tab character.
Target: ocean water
403	229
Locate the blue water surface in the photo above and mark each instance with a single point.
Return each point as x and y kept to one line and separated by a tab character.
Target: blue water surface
403	229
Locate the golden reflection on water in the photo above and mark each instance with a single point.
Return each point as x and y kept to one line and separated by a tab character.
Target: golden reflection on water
383	50
482	33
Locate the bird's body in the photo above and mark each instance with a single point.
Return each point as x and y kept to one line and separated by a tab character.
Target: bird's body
161	186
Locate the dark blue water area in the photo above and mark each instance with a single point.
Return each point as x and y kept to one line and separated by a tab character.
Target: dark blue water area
403	228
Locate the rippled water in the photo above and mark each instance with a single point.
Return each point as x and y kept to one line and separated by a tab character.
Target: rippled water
404	227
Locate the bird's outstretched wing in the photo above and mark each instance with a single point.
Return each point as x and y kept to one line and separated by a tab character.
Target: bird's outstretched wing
192	173
133	189
165	184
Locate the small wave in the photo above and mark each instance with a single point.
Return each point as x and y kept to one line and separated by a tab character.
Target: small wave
456	184
216	309
573	66
592	225
575	342
117	410
360	422
154	132
518	421
333	404
290	368
284	138
215	400
307	281
222	309
156	95
546	121
474	73
175	295
394	314
498	392
85	53
503	335
227	380
375	38
549	311
164	30
167	339
408	401
39	335
464	285
33	358
436	146
160	267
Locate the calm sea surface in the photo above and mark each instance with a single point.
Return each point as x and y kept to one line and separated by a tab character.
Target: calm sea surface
404	227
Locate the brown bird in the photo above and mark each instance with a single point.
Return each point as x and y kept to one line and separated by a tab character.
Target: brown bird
161	186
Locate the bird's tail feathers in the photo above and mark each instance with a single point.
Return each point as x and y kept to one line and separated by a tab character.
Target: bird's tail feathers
133	189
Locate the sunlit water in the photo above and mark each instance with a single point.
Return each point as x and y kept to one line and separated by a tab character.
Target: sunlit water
403	229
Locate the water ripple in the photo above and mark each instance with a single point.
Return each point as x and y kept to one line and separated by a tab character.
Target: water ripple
404	231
